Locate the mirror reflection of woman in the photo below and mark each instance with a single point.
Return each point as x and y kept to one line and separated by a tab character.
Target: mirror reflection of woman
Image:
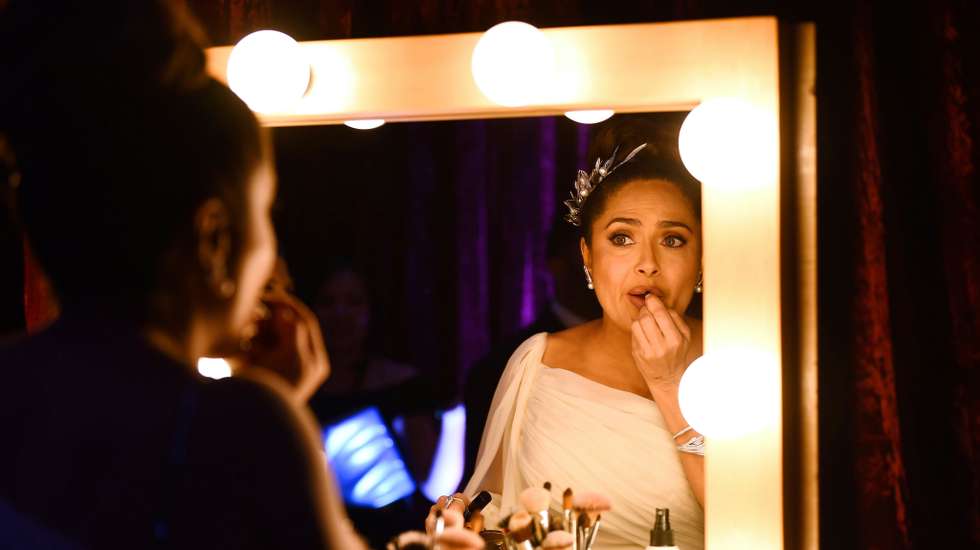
595	407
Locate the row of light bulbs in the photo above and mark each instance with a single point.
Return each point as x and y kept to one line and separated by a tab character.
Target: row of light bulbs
513	65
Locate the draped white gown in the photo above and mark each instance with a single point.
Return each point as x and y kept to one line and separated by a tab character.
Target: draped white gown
549	424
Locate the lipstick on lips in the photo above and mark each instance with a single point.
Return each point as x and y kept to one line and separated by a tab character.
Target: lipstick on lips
638	295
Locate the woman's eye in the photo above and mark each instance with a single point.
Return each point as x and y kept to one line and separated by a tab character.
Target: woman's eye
619	239
673	241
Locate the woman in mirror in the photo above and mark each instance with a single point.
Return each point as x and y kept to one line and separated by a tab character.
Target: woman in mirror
595	407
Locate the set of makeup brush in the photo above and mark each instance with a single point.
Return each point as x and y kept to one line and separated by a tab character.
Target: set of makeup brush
537	526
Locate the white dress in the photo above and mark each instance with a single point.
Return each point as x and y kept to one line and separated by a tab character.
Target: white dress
549	424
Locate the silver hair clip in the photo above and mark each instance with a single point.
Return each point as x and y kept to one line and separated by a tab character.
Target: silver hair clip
586	183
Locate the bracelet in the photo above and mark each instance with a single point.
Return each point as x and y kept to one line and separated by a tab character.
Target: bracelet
682	432
694	446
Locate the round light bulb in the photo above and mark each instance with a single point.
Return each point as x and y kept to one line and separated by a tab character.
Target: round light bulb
591	116
729	142
726	395
365	124
513	64
269	71
213	367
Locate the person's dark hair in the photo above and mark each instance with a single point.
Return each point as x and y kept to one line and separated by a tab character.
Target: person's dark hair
659	160
113	165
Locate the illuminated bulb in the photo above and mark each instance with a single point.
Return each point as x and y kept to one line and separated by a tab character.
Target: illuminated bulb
729	142
726	395
269	71
513	64
212	367
590	117
365	124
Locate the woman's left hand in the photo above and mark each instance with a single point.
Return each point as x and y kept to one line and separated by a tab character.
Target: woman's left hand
661	340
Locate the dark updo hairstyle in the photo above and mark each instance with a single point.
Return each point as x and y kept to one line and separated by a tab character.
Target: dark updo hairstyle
118	137
660	160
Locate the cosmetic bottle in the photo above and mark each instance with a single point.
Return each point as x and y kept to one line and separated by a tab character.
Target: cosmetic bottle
661	536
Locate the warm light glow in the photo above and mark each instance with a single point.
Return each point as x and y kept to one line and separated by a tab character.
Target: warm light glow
729	142
213	367
365	124
269	71
513	64
590	117
731	394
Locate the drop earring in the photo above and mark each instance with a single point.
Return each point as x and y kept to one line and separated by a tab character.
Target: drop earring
699	287
588	278
227	288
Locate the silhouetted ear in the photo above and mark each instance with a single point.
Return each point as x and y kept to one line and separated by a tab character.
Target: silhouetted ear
586	254
212	227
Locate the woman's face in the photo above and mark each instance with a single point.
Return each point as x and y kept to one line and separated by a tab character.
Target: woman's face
258	251
344	310
647	239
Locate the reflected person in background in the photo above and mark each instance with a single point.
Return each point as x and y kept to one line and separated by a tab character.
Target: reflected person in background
362	377
571	305
595	407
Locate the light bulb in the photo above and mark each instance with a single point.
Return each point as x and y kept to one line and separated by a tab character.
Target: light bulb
213	367
728	394
590	117
729	142
513	64
365	124
269	71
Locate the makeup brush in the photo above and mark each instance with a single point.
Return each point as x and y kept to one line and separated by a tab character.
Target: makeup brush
558	540
566	510
593	532
547	486
592	504
476	522
478	503
520	529
589	506
536	500
440	523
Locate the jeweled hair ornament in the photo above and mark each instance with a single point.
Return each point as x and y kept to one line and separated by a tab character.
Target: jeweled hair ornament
585	183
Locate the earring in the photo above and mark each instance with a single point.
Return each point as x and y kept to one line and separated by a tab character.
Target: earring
588	278
699	287
227	288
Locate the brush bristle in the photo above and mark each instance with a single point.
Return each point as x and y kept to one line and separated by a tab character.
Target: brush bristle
519	526
592	502
557	540
535	499
566	499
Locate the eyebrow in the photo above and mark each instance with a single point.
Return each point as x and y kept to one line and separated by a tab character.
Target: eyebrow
665	223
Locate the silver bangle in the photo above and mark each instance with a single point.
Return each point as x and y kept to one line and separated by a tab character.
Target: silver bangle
694	446
682	432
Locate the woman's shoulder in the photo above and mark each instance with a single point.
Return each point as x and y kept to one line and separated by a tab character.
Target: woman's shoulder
566	347
254	412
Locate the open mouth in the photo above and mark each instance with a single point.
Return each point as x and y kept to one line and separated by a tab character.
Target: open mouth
638	296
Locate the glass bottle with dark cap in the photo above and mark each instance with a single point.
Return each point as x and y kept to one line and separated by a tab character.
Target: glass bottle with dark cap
661	536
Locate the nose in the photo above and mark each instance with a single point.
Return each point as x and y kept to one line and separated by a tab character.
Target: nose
647	262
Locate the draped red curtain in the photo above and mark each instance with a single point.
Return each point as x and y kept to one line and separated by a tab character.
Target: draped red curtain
899	235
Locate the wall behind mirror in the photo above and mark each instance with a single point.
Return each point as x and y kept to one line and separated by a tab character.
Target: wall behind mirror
424	247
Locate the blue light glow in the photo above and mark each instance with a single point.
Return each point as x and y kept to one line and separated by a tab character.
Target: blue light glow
369	469
447	466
